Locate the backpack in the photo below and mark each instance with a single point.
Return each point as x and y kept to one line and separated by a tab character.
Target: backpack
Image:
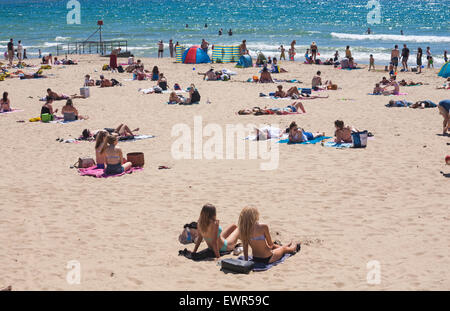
120	69
189	233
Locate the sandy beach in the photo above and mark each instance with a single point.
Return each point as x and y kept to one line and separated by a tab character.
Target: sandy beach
387	202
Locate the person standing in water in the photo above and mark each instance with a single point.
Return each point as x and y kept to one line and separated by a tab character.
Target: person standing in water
313	51
368	31
160	49
445	56
395	54
405	56
220	31
282	50
401	32
230	32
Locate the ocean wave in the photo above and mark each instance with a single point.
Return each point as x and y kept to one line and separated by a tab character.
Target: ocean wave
387	37
62	38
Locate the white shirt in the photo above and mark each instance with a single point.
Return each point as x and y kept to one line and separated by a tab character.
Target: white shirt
19	48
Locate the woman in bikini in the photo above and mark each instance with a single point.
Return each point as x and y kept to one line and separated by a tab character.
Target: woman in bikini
5	104
265	76
114	157
257	236
100	143
343	133
282	94
217	239
70	112
48	108
297	135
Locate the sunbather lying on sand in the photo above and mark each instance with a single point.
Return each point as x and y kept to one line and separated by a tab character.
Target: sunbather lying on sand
176	99
410	83
257	236
446	85
268	133
122	130
209	229
282	94
38	74
108	83
297	135
294	107
56	96
343	133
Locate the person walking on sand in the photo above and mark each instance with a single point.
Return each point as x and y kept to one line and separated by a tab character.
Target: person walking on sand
160	49
171	48
20	54
10	52
113	59
429	56
419	60
282	50
371	62
405	56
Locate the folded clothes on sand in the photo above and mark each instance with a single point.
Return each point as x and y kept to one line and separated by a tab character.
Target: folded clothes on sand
202	255
259	266
99	173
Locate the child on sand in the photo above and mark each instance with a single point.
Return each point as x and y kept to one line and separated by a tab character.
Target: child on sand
209	229
378	90
257	236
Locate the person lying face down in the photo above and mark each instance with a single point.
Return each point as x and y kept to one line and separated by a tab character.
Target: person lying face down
105	82
343	134
209	229
257	236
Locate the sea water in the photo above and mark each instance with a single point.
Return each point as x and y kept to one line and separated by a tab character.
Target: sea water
264	24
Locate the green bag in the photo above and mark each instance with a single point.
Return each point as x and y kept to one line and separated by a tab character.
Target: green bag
46	117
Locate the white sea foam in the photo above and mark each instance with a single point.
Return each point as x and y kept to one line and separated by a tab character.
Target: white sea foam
62	38
395	38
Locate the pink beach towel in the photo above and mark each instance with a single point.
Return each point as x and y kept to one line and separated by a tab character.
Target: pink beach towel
98	172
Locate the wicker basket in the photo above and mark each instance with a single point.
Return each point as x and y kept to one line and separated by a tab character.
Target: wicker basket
136	159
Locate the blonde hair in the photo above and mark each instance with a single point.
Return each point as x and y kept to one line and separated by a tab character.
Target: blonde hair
110	141
247	220
100	139
206	215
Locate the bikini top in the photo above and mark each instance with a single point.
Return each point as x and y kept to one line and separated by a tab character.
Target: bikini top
218	234
258	238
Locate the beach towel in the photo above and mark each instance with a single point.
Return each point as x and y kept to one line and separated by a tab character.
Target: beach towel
98	172
61	121
309	142
337	145
202	255
259	266
399	103
12	111
121	139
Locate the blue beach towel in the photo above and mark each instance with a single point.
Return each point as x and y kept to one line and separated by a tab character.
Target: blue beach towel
258	267
337	145
314	141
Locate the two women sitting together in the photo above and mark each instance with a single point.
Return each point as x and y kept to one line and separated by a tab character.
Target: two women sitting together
108	156
252	234
194	97
68	111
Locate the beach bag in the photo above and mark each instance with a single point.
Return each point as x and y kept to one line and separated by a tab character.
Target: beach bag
46	117
189	234
237	265
85	162
136	159
332	87
105	67
306	91
177	87
120	69
359	139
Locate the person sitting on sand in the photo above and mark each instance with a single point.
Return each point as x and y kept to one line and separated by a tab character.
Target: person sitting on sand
114	157
209	229
257	236
378	90
155	73
384	81
88	81
343	133
70	113
194	95
5	104
175	99
48	107
100	143
210	75
292	92
297	135
162	82
410	83
444	110
276	68
351	63
393	83
265	76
